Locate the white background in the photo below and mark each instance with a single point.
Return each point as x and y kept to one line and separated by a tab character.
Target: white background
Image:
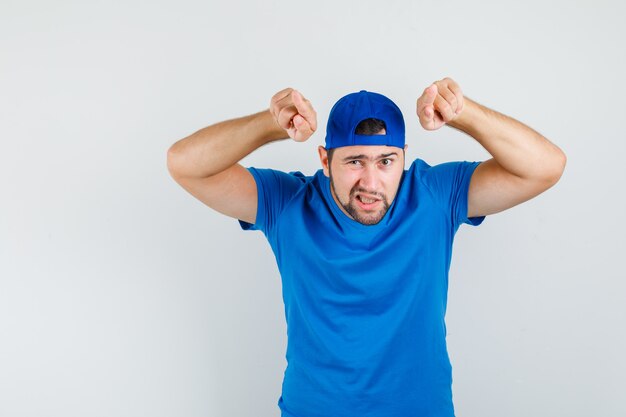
122	295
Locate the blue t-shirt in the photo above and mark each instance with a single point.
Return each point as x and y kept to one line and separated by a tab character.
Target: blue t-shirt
365	305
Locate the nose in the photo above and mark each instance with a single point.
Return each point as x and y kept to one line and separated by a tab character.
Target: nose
369	179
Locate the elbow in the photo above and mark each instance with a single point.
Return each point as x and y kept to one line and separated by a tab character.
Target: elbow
173	157
558	167
562	161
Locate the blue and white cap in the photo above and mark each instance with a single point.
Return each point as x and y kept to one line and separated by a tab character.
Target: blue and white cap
352	109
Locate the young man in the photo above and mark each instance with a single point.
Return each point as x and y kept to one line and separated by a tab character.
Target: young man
364	246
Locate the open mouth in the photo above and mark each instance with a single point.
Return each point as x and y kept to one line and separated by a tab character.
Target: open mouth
367	202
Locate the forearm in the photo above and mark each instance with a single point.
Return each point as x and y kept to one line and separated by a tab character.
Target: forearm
215	148
516	147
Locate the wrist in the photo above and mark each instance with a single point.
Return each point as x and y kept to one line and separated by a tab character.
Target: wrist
468	116
264	128
270	127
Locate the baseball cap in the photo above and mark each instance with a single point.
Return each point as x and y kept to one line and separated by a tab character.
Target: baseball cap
353	108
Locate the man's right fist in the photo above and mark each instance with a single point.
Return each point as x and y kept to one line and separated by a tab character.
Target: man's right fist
294	113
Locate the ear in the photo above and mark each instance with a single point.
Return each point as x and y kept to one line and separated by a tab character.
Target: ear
323	159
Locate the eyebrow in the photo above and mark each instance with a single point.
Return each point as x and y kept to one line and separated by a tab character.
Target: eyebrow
363	156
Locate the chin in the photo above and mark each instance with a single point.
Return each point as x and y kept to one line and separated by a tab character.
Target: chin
369	222
367	219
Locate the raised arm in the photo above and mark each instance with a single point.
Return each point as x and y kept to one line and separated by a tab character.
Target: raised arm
524	163
206	163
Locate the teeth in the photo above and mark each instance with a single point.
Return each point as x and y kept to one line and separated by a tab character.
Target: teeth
366	200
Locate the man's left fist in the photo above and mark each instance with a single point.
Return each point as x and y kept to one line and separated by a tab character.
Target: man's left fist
440	103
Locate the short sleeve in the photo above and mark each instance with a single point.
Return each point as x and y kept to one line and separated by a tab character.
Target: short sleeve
449	183
274	190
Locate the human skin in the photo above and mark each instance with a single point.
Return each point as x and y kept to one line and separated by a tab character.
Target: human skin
364	179
524	163
206	163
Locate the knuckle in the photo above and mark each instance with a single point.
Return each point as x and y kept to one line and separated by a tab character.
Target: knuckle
445	107
283	119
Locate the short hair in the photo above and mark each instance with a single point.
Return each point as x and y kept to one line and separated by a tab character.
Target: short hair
369	126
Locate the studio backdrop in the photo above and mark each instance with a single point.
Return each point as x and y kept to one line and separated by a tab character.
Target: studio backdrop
122	295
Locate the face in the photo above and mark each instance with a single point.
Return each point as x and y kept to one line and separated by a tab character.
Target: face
364	180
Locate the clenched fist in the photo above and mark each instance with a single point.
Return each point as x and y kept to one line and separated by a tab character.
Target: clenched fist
294	113
441	103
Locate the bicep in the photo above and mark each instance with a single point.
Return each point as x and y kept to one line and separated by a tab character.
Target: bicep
232	192
493	189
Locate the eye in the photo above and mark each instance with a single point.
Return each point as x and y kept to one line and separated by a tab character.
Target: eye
354	162
386	161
